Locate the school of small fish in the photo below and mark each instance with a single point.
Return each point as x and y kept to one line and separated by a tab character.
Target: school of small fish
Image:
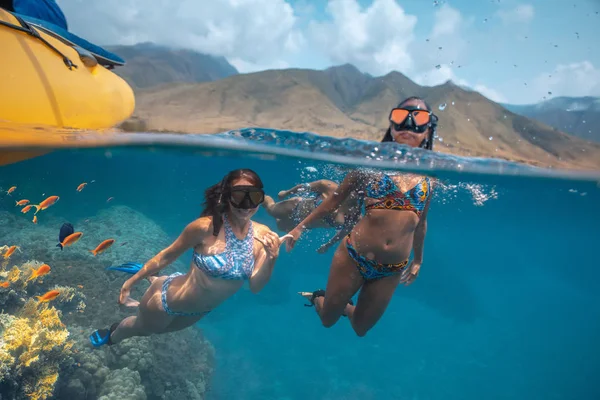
67	237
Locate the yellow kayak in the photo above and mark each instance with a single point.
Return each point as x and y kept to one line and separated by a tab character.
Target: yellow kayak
49	81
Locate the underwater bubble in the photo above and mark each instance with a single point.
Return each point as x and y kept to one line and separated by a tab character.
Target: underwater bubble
442	107
311	169
491	137
469	119
452	103
441	139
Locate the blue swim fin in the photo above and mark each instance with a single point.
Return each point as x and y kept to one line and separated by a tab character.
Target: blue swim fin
102	336
129	268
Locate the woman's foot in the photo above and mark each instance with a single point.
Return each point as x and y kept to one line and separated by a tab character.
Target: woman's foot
311	296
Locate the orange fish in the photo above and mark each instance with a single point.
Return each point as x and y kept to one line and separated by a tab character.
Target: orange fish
80	187
34	219
46	203
5	284
71	239
9	252
50	295
43	270
102	246
80	286
22	202
26	209
12	189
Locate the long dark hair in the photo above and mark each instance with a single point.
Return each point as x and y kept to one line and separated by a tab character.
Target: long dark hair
216	197
427	143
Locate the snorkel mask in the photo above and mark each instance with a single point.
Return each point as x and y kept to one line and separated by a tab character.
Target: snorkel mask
246	197
417	120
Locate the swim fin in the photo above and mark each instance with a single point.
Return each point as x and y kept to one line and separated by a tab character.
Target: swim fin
129	268
102	336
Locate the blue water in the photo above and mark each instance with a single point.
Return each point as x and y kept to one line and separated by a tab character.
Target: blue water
507	305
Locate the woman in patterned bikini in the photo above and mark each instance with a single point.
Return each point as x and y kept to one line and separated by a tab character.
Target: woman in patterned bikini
229	249
374	257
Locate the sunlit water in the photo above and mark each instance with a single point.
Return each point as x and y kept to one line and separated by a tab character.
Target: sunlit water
506	306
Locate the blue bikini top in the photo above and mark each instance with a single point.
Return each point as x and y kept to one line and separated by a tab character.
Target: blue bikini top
236	262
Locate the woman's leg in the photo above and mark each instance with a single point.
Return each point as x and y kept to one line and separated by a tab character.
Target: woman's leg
283	212
373	300
343	282
150	318
281	209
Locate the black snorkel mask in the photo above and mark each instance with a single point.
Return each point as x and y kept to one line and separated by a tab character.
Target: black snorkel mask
246	197
417	120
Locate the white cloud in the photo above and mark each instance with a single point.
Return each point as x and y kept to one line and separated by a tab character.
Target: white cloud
490	93
447	22
259	32
375	39
575	79
437	76
522	13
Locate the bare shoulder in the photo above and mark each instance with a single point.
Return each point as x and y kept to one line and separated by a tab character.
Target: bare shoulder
199	227
260	229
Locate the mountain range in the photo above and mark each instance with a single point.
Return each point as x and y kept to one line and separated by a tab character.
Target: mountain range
579	116
184	91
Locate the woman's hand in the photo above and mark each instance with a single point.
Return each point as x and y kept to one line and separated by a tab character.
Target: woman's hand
291	238
271	242
410	273
124	298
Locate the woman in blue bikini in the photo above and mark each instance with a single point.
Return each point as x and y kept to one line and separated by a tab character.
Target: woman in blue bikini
229	249
374	257
307	197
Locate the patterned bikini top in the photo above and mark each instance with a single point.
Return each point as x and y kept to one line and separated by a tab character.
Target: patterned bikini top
236	262
391	198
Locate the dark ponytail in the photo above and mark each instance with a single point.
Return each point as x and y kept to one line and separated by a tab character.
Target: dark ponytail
427	143
216	197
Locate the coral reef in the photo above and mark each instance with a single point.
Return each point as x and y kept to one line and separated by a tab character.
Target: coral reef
33	349
170	366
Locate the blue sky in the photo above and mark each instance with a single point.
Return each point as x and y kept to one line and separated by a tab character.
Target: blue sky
511	51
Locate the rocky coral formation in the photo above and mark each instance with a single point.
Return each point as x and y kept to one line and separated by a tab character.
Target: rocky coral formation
170	366
33	349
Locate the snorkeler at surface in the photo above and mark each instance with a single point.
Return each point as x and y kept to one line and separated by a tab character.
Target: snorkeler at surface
290	212
229	249
374	257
